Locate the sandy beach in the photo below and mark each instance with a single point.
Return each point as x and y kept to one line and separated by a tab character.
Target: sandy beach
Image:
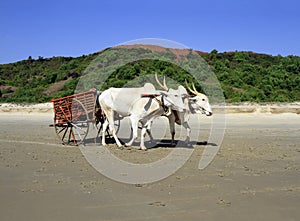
254	176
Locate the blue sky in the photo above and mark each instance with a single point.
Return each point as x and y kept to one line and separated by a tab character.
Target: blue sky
73	28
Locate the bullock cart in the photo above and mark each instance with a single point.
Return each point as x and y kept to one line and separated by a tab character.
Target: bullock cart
75	114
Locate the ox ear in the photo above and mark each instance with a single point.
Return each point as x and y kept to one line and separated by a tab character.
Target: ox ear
163	93
193	99
185	96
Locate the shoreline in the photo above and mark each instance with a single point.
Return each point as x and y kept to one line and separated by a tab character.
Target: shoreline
238	108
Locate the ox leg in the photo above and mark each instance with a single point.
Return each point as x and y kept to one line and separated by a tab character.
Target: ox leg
149	132
110	121
104	127
113	131
143	134
188	132
172	128
134	129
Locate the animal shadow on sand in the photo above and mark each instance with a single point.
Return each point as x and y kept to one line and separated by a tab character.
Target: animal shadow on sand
161	143
166	143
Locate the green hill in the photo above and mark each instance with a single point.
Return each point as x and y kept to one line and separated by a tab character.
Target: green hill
244	76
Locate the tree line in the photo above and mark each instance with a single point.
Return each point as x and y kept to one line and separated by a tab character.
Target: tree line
243	76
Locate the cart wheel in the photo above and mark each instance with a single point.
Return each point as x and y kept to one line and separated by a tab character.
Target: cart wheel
73	129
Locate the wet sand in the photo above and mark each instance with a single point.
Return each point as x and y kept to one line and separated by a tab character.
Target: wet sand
254	176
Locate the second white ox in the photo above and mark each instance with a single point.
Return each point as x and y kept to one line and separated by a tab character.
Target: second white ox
193	105
144	109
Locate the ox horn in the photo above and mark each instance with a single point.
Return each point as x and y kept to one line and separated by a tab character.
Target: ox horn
195	92
194	88
162	86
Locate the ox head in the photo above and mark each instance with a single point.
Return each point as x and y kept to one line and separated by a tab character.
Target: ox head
172	101
200	102
173	98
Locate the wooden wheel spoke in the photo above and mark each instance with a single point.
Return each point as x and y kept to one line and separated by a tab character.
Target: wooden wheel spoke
70	133
66	130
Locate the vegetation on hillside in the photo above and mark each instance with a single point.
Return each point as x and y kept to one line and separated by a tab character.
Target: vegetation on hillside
247	76
28	80
244	76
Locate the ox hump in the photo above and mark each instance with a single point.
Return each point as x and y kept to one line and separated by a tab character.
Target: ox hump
149	87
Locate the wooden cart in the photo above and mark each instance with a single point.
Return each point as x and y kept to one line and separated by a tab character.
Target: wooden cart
73	115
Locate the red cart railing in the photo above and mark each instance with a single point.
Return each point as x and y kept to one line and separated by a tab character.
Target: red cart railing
72	116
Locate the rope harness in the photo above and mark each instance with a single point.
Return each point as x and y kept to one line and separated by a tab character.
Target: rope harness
160	102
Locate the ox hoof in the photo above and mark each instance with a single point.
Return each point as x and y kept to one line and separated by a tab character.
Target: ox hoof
187	144
187	141
143	148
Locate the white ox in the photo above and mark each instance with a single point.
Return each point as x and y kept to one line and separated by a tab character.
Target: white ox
131	102
193	105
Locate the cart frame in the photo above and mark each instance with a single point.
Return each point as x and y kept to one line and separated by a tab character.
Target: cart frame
74	114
